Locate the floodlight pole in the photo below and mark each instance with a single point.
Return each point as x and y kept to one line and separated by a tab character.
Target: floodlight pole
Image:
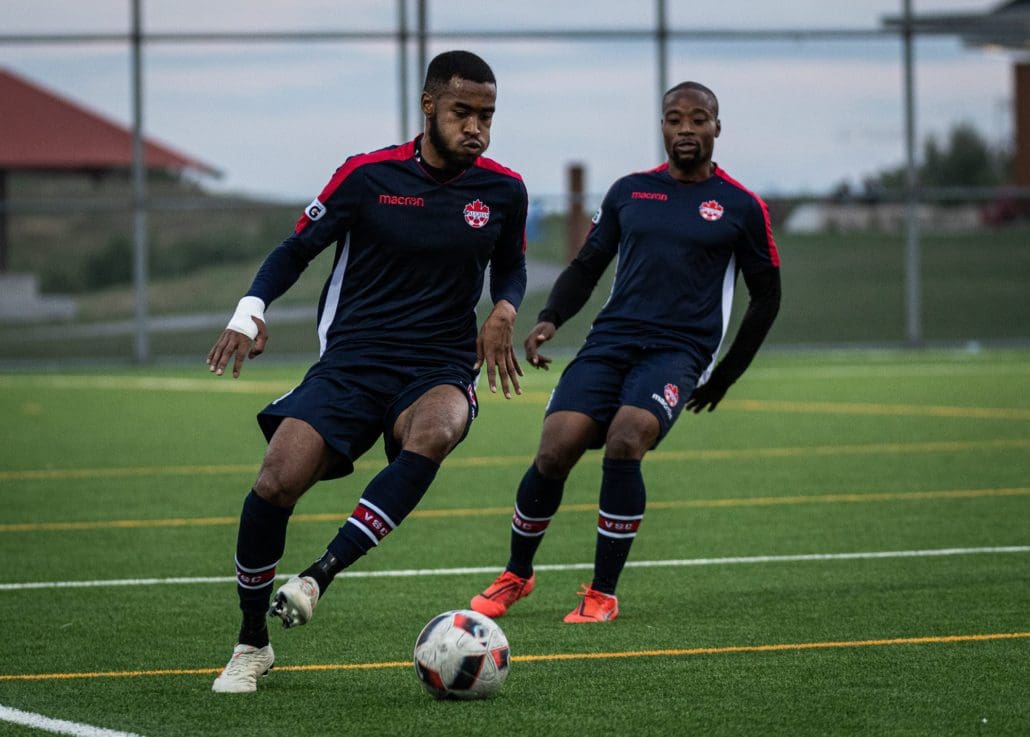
139	191
662	48
913	312
402	61
423	32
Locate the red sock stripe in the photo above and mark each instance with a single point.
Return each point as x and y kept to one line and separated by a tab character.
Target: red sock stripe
254	579
372	520
529	526
618	525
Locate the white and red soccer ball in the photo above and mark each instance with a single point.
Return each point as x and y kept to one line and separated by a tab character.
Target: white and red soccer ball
461	654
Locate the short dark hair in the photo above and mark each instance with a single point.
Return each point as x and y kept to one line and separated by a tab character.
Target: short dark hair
697	86
461	64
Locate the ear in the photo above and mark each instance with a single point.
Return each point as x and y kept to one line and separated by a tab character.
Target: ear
718	127
428	104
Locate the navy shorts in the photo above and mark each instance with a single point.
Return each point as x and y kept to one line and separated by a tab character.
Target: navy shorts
604	377
353	404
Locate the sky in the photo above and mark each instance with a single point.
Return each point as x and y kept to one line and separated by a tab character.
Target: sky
278	118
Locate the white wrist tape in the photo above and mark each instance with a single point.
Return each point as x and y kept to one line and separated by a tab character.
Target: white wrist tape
241	322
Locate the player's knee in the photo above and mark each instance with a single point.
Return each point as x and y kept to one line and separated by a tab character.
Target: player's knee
435	443
276	487
627	444
554	461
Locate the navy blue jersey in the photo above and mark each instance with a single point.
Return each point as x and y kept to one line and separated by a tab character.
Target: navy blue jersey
410	256
680	246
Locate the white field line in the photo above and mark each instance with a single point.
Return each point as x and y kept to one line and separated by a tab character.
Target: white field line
56	726
410	572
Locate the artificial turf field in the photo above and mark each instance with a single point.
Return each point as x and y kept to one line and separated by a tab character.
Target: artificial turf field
842	547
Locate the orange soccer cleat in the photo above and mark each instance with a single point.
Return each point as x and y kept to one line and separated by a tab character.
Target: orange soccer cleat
594	607
502	593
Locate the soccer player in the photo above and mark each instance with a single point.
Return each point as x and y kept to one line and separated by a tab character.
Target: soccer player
681	232
415	226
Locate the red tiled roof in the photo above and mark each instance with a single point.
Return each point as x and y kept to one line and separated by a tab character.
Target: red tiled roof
43	131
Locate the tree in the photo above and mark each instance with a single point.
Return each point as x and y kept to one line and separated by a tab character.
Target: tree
966	159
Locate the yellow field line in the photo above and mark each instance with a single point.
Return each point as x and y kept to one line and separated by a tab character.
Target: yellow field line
945	446
762	501
866	408
783	647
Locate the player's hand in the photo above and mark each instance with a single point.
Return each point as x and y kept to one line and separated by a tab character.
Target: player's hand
233	344
540	334
707	395
494	348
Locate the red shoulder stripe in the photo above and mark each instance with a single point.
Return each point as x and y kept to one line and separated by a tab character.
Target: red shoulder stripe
396	153
494	166
774	254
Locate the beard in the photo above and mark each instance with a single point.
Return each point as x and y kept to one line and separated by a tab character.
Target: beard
452	159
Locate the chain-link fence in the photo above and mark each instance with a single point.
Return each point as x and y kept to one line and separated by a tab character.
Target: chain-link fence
872	259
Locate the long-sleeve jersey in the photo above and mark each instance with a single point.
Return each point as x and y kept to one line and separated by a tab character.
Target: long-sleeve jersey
410	257
680	246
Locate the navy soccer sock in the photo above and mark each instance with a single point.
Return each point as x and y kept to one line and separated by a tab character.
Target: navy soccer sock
621	510
536	502
384	504
259	546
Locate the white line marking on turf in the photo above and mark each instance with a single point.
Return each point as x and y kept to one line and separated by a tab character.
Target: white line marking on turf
408	572
57	726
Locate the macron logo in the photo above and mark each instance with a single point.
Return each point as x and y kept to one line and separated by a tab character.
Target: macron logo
393	199
649	196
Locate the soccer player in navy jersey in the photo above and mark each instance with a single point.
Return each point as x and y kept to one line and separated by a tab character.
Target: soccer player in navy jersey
415	228
681	232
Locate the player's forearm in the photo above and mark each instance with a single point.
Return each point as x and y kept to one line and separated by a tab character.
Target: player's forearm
764	305
279	271
508	283
573	287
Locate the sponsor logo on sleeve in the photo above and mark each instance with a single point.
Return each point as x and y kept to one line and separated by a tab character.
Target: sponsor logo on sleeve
597	217
315	210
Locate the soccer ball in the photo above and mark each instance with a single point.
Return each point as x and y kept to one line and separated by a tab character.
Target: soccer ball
461	654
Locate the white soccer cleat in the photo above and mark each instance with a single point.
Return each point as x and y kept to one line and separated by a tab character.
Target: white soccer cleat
241	673
295	601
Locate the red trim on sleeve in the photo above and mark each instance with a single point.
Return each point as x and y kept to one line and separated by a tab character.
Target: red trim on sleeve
774	254
494	166
396	153
491	165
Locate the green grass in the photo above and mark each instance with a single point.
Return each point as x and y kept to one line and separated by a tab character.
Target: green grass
117	474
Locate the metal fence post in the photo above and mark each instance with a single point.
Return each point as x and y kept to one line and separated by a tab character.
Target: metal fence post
913	297
139	192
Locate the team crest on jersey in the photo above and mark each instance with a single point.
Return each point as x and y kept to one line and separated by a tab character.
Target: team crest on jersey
672	394
477	214
710	210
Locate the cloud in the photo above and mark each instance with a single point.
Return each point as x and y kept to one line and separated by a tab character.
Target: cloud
279	117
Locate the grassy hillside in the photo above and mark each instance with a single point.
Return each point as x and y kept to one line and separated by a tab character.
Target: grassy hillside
838	288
